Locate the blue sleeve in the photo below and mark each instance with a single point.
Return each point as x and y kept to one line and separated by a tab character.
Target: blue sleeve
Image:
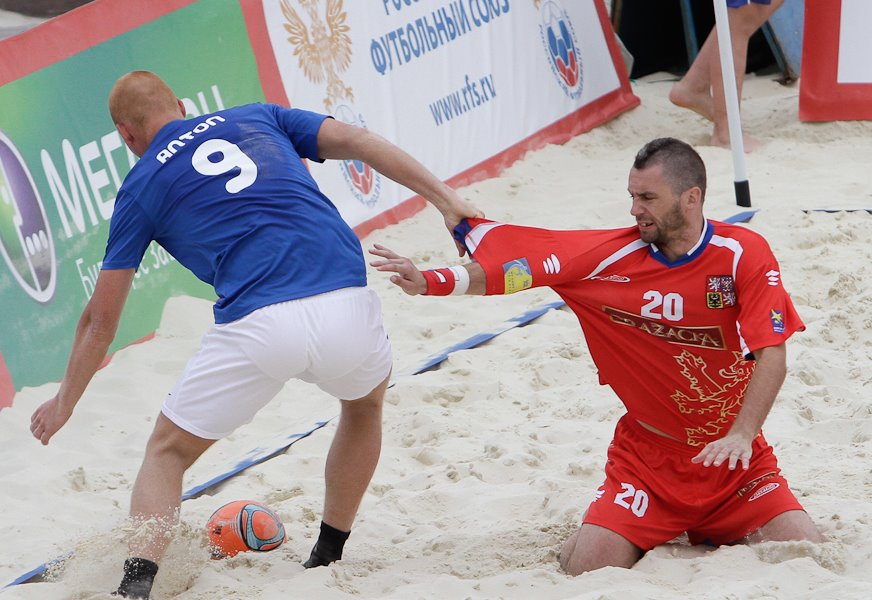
130	233
301	127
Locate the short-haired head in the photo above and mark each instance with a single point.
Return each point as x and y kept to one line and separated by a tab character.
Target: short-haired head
682	166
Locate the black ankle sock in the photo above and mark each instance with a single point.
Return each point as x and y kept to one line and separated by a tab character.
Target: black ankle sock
138	578
328	548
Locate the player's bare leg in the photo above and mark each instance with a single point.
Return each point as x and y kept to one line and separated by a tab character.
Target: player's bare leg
693	91
744	22
792	525
592	547
154	504
702	88
351	462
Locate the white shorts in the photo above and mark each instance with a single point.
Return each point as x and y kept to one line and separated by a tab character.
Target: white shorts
335	340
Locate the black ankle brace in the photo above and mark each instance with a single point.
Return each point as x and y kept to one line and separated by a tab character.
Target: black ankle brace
138	578
328	548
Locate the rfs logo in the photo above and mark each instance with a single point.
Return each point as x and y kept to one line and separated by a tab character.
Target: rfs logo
364	181
562	47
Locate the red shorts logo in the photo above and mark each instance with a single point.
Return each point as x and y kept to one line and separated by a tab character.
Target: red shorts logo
769	487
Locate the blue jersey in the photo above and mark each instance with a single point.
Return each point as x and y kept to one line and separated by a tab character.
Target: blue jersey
229	197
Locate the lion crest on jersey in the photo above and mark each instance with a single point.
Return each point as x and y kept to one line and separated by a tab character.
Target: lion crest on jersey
717	397
326	53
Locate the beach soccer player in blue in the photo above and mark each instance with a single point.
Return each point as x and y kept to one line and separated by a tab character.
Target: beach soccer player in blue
229	197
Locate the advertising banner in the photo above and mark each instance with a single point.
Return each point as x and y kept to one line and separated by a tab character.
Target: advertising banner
456	83
61	164
836	82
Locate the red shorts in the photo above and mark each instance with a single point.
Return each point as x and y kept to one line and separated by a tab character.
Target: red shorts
653	493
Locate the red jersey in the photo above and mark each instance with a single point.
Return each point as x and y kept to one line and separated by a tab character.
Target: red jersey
673	339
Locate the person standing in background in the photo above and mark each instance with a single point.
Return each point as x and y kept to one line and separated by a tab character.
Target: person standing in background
702	87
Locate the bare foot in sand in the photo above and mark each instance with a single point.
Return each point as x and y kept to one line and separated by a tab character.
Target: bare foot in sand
698	100
750	144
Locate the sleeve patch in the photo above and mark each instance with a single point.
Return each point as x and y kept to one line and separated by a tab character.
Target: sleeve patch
777	319
517	275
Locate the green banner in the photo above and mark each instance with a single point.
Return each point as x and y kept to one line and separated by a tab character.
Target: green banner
62	162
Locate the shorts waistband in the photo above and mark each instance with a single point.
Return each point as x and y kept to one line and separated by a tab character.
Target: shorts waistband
303	300
343	291
630	426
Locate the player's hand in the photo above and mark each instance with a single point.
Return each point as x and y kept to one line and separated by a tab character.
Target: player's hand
48	419
458	210
407	276
732	449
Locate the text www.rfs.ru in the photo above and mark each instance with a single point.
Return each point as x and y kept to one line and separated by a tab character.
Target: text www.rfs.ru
472	94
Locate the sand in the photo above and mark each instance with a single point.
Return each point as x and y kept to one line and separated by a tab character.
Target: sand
489	461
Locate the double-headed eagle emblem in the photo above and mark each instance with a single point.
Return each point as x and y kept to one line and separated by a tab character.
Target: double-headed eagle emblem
324	51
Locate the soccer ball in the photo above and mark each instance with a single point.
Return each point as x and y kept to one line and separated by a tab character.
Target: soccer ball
244	525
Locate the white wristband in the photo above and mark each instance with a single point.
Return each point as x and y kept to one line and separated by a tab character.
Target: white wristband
461	280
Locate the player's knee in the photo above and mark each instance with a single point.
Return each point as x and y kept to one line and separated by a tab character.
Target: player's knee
794	525
171	444
372	400
569	557
564	559
592	547
366	408
573	566
805	530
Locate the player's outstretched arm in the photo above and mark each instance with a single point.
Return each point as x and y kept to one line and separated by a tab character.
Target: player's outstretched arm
463	279
94	334
342	141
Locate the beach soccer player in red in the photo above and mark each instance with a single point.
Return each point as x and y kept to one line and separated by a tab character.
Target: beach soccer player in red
687	320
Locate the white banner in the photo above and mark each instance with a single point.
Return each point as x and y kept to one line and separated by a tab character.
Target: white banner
453	82
855	43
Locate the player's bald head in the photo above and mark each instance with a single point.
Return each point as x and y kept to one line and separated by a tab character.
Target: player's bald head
140	96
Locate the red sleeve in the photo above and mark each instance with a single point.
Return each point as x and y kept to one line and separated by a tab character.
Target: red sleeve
767	316
516	258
